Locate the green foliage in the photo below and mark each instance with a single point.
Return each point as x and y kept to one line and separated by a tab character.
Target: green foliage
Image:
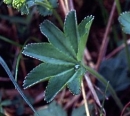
44	7
54	109
62	63
79	111
124	20
116	72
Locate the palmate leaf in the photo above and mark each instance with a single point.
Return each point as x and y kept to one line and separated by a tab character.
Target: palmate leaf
62	61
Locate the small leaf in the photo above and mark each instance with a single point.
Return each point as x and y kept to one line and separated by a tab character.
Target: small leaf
124	20
83	28
56	37
71	30
57	83
43	72
53	109
47	53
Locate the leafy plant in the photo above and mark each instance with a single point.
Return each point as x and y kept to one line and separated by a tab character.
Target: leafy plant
63	54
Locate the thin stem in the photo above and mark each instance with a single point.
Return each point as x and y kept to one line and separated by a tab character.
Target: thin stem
127	53
10	41
91	88
63	7
4	65
58	17
105	38
104	99
118	6
85	100
67	5
125	108
71	5
104	82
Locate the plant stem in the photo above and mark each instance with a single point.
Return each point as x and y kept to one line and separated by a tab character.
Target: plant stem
67	5
10	41
127	53
118	6
58	17
4	65
105	38
104	82
61	2
104	99
85	99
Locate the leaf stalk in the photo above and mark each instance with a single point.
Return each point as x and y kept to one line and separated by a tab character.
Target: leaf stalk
104	82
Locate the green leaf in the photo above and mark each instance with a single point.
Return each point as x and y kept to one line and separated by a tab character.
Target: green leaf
83	28
53	109
65	78
57	83
71	30
43	72
56	37
47	53
124	20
